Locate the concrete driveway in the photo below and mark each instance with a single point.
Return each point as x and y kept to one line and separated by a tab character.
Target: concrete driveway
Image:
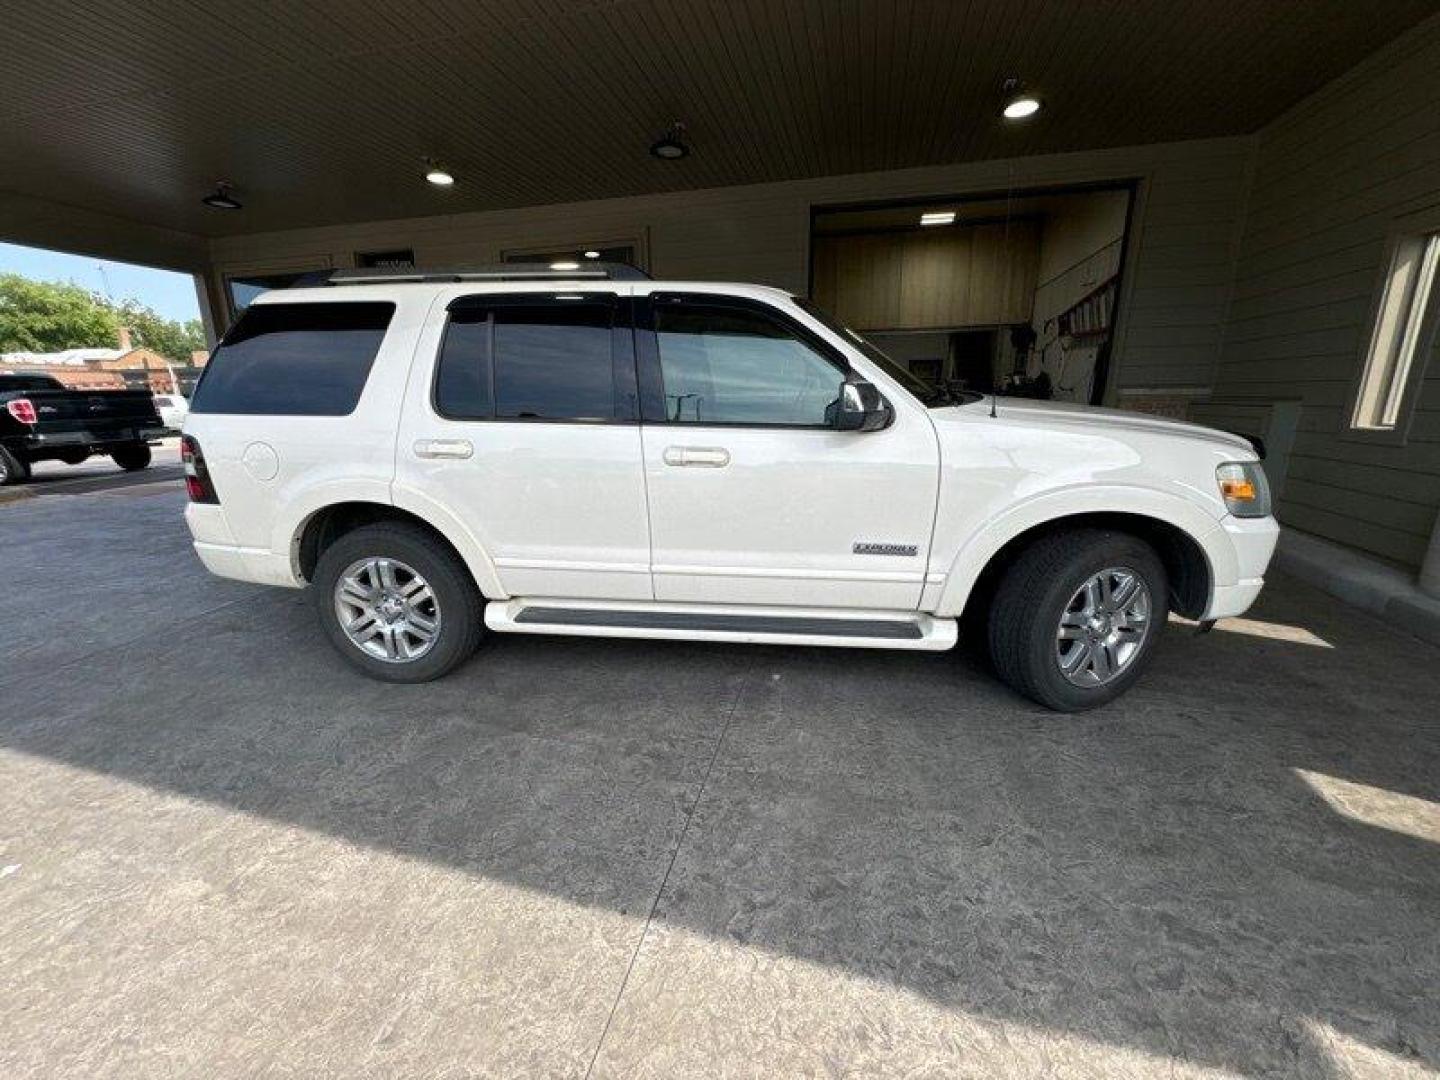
223	853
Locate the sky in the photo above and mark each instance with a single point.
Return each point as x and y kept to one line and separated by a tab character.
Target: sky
169	293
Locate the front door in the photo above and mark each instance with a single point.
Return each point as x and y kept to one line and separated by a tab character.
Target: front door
754	497
521	413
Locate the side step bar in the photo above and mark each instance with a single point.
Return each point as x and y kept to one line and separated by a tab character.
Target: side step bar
716	622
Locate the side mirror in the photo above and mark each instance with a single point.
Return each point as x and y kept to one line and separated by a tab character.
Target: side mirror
862	407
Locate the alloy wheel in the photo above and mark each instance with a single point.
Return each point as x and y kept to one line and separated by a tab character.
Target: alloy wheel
387	609
1104	627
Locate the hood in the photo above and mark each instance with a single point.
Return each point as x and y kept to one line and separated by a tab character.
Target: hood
1071	415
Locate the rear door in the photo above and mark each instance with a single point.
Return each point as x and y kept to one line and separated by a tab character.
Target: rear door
521	418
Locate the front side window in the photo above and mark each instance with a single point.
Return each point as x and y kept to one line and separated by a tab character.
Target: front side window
294	360
729	365
546	360
1401	327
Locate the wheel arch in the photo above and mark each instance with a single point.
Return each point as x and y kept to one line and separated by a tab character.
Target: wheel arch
1190	563
323	526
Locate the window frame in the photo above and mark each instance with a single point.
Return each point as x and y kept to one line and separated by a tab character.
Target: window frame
1423	227
651	374
622	357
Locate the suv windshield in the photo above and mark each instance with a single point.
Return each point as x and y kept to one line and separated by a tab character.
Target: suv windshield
931	396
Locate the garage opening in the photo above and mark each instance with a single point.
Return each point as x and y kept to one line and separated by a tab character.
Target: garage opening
1016	292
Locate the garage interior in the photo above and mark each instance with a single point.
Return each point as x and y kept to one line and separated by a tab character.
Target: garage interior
1015	293
220	854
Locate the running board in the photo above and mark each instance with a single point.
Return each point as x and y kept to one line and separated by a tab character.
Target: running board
717	622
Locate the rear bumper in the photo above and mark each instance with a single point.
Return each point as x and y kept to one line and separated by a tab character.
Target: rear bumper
41	444
215	545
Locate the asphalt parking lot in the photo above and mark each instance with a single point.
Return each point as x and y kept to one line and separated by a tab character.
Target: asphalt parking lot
224	853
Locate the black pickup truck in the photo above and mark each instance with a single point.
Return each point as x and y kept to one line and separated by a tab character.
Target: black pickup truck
40	419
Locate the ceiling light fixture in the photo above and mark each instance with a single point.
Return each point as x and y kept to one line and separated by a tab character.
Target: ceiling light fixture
437	174
592	254
565	266
672	147
1019	105
221	199
938	217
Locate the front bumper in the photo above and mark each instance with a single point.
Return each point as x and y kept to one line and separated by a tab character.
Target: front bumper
1253	542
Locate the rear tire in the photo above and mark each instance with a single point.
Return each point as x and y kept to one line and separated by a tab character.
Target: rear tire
1077	617
385	626
132	457
13	468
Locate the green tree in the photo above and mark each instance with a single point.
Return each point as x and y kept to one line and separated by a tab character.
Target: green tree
45	316
171	339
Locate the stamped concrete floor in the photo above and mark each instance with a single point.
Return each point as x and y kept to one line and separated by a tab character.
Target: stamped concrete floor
222	853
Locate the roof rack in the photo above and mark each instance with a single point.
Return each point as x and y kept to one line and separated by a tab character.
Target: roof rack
590	271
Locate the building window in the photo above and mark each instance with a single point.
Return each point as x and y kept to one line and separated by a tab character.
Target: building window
1402	329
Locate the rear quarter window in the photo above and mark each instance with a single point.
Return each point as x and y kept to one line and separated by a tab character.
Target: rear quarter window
294	360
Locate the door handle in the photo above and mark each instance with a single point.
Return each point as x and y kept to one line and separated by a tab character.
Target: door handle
443	448
705	457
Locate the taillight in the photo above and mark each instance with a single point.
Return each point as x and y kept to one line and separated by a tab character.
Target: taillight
197	477
22	409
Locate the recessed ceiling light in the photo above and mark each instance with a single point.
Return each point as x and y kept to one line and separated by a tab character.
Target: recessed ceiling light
565	266
438	176
938	217
672	147
221	199
1018	108
592	254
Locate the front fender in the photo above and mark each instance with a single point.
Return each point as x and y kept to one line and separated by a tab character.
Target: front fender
985	543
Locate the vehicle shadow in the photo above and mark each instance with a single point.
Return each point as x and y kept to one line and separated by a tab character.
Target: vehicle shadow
1163	874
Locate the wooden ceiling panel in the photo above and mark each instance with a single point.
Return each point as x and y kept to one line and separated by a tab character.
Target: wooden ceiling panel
322	111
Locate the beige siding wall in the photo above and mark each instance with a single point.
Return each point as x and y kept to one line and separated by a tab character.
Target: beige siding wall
1331	177
1187	219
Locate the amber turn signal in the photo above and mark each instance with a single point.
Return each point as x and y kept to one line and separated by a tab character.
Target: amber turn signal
1238	490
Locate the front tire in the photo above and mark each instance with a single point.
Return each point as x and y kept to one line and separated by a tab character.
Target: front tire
132	457
397	603
1077	617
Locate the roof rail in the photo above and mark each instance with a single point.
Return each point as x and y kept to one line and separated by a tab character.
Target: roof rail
590	271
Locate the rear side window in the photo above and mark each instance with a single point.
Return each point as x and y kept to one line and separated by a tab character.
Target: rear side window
294	360
547	360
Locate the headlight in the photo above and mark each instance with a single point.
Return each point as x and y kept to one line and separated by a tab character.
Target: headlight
1243	487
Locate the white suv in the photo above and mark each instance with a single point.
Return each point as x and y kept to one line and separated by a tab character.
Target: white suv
596	453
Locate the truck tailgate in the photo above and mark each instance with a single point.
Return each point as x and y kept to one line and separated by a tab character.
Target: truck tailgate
105	414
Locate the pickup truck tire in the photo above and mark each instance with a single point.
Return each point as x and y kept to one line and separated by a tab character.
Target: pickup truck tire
131	457
13	469
1104	591
385	561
